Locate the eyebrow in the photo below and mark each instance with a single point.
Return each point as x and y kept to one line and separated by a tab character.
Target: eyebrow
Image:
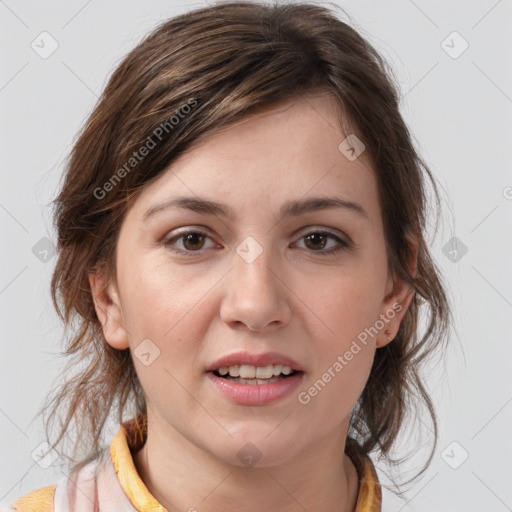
289	209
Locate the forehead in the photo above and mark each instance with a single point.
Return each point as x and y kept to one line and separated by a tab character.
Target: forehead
289	152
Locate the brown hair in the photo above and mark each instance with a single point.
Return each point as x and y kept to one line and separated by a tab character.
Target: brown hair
198	73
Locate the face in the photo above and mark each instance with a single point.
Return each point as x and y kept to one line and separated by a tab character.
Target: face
273	273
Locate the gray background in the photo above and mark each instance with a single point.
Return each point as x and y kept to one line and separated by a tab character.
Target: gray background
460	112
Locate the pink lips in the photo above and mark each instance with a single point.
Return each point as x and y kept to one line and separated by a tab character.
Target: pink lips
244	357
255	394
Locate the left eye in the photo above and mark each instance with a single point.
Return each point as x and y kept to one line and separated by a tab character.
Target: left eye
320	237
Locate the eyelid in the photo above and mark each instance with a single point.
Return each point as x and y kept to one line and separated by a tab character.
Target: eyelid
337	233
322	229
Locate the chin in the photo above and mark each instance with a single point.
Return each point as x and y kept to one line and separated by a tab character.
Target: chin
257	449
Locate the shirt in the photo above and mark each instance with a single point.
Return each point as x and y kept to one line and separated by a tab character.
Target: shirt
111	483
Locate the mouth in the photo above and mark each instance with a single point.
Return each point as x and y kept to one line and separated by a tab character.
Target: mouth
244	384
255	375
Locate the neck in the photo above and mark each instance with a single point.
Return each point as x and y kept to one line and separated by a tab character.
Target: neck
182	476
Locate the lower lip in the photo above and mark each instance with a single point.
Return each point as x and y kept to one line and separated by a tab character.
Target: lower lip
256	394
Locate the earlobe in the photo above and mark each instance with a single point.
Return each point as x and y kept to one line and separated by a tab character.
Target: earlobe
109	312
394	312
398	299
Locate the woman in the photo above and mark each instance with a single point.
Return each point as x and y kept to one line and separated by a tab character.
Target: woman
241	240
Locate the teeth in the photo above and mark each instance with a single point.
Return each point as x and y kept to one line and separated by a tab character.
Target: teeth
277	369
253	382
286	370
264	372
247	371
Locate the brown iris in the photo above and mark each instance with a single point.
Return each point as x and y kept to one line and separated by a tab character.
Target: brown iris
192	239
316	237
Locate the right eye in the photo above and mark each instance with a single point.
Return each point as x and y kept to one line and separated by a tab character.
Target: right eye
192	241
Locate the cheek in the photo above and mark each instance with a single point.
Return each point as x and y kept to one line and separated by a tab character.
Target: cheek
167	310
347	306
166	307
345	343
339	382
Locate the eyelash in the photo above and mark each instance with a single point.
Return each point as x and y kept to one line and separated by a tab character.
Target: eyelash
344	245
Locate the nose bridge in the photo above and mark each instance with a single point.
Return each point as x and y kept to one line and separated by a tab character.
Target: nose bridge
255	295
255	264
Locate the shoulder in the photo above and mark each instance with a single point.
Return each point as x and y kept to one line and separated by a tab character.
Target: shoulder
88	487
39	500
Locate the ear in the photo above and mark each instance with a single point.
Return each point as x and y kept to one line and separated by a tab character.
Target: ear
109	311
399	295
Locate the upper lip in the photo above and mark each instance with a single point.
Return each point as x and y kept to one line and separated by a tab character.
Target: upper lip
264	359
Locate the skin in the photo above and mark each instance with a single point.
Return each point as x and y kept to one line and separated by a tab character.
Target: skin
291	299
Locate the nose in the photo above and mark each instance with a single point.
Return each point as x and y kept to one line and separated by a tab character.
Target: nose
257	294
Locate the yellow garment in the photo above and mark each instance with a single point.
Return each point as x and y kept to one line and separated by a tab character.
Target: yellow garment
111	483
